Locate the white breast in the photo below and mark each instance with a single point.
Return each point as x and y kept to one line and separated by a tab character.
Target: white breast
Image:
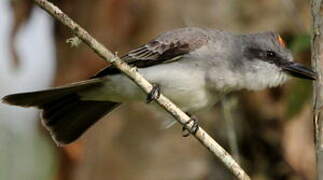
184	84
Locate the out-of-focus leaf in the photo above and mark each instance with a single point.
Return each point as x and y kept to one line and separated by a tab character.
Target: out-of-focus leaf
300	43
300	93
300	90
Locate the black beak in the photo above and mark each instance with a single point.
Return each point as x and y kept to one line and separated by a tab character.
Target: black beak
300	71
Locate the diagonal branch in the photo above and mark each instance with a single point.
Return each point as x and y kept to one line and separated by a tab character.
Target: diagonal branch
131	72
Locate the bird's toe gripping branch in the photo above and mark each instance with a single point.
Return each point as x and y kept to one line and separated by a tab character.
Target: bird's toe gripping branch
195	127
154	93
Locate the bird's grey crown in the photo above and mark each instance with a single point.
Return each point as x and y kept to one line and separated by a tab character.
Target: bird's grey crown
265	46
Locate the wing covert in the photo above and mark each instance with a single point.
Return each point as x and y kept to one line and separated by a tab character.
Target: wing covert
166	47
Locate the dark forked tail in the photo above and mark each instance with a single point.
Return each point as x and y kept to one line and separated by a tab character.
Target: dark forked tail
69	117
64	114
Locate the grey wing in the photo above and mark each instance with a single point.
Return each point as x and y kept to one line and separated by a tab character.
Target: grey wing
167	47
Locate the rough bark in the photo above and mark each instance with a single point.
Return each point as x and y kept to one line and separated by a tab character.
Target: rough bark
317	62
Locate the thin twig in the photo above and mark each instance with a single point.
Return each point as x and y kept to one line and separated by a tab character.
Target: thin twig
317	62
132	73
228	105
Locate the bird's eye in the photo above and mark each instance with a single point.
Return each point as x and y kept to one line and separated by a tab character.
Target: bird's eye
270	54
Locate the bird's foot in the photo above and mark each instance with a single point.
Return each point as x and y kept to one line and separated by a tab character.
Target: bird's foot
195	127
153	94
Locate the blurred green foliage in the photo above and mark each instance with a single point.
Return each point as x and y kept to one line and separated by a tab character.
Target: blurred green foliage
300	43
301	90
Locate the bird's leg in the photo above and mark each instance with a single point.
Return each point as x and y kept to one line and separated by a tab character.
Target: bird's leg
154	93
195	127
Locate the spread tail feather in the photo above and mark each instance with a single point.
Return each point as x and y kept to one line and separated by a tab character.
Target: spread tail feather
64	114
69	117
39	98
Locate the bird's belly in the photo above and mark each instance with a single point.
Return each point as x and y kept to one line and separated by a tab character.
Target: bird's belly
182	84
190	100
185	86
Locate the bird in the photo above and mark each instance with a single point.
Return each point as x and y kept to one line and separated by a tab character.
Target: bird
194	67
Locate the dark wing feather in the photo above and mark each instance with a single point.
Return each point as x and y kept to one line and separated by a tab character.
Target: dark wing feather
168	46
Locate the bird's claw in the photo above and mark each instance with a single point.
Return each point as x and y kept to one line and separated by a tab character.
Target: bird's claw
154	93
195	127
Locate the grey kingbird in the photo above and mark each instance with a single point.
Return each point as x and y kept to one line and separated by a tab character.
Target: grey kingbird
193	67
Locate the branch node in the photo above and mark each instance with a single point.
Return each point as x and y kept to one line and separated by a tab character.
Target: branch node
73	41
134	69
115	57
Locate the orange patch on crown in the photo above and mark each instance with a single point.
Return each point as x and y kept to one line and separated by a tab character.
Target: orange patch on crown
281	41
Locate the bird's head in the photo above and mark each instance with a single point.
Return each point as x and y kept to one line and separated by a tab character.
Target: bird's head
267	60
